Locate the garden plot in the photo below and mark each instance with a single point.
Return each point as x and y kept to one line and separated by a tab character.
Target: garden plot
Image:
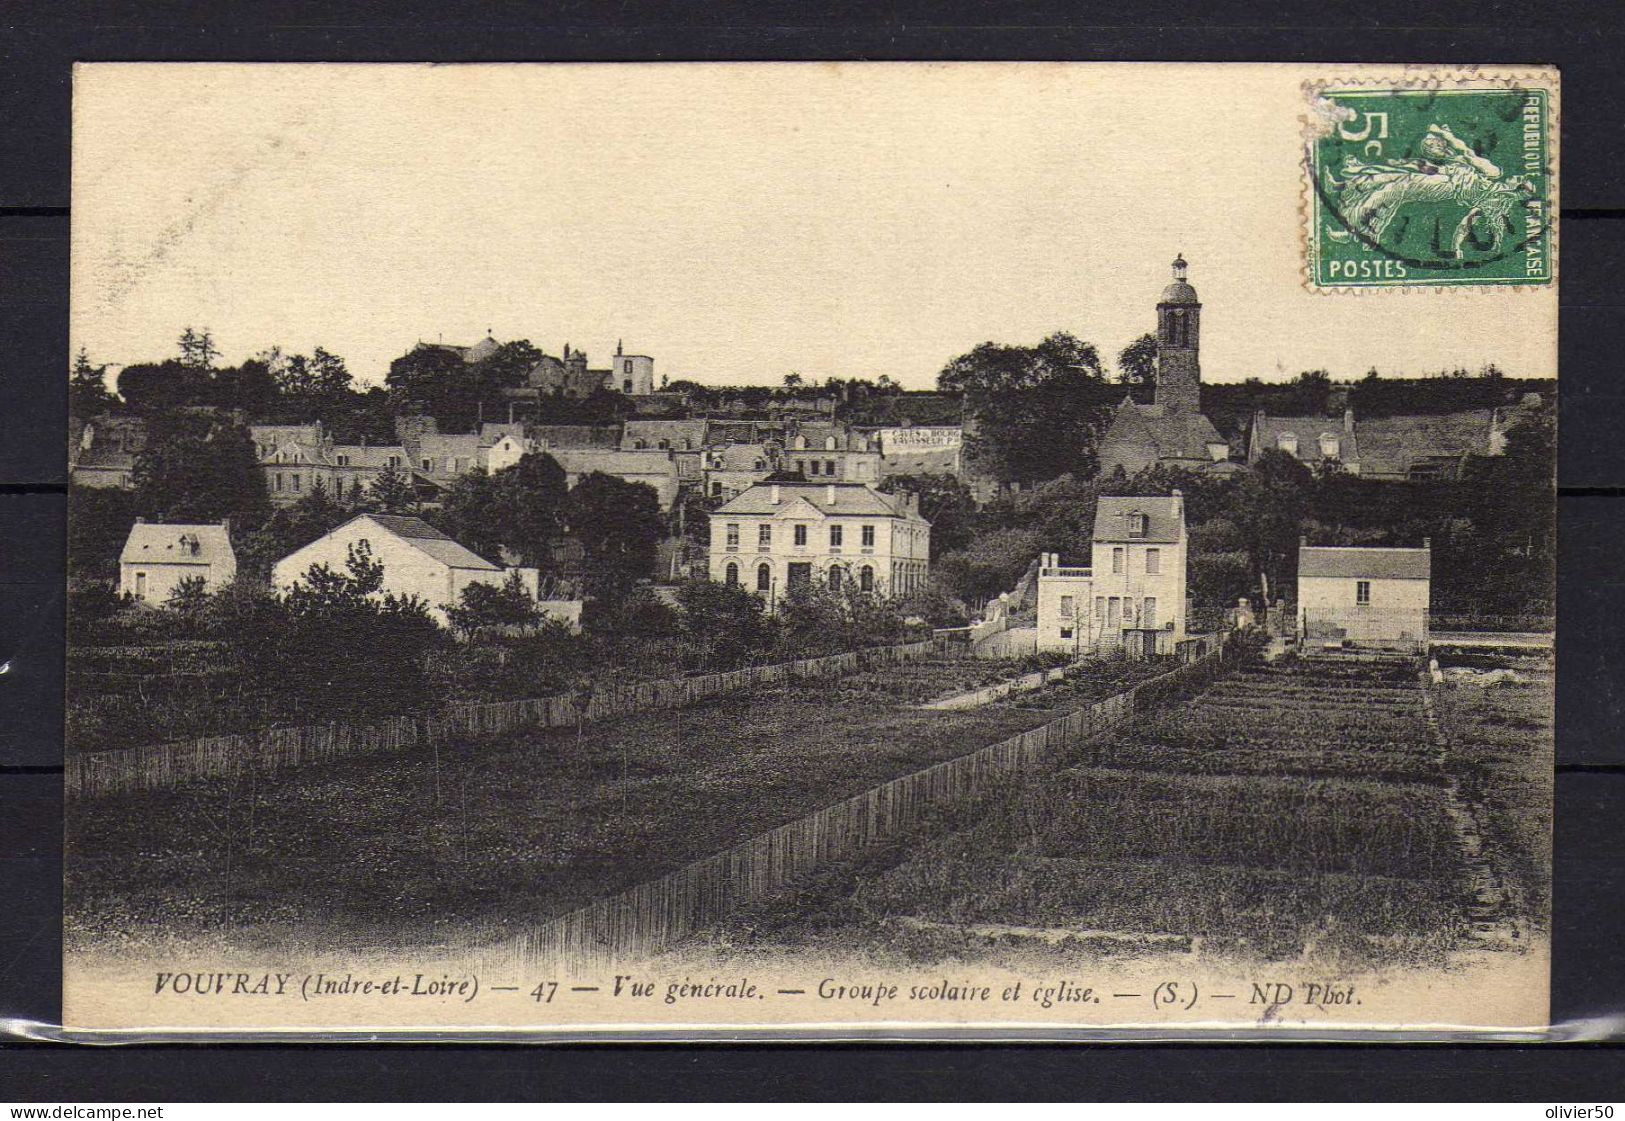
1267	819
500	834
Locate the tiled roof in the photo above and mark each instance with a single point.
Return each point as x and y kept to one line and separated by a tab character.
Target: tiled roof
854	499
1390	445
1175	435
1163	522
679	434
1363	562
581	461
427	539
164	543
576	435
1308	429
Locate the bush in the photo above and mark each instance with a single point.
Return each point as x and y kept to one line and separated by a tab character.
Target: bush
480	606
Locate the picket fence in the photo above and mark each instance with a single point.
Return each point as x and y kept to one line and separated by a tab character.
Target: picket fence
166	766
631	925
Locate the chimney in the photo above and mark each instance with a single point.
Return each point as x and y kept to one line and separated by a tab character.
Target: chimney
225	524
139	520
1427	543
1348	421
829	494
773	497
1303	542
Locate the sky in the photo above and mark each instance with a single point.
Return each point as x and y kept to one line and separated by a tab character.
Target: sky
737	222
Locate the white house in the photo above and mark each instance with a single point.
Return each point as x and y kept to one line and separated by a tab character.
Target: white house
418	560
1365	596
158	556
1136	580
777	535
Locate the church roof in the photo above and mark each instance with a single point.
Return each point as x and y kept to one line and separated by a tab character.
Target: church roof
1179	292
1175	435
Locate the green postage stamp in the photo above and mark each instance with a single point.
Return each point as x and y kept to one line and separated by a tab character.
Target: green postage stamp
1431	186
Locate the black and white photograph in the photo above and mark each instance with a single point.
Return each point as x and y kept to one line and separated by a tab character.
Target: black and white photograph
854	547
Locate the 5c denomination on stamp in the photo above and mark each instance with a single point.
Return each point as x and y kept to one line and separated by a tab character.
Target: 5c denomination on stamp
1430	186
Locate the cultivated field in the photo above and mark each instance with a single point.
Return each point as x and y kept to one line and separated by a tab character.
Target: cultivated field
497	835
1299	811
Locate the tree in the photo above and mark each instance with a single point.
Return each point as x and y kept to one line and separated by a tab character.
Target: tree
792	380
313	383
189	597
1137	363
945	501
520	509
194	469
1271	504
87	387
391	492
153	386
724	623
481	606
197	348
619	524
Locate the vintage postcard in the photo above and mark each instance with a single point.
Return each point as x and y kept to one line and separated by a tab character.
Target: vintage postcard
856	549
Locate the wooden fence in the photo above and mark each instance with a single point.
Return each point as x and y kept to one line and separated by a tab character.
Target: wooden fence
168	765
635	923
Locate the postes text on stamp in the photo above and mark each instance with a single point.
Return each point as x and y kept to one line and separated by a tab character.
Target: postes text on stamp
1412	187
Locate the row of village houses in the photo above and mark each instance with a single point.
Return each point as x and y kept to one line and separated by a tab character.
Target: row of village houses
721	458
776	536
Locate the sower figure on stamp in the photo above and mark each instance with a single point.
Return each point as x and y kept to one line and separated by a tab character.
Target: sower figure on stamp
1373	194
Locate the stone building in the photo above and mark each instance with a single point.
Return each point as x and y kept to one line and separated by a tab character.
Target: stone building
1364	596
782	534
158	556
1171	431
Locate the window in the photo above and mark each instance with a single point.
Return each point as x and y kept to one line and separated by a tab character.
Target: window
866	578
829	443
1117	559
1066	632
395	461
814	470
835	537
733	529
1100	610
294	479
1148	618
1362	593
1137	525
834	576
829	467
801	535
344	461
1067	608
140	585
428	465
1153	562
278	481
868	537
1288	443
733	574
1330	446
764	534
716	492
764	577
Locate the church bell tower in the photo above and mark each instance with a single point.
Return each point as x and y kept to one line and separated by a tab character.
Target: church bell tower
1179	317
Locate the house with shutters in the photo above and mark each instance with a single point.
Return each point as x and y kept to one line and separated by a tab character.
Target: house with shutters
785	533
1132	591
158	556
1364	596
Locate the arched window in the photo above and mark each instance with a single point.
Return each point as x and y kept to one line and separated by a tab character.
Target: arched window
1287	442
732	574
829	443
834	576
1330	446
764	577
866	578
